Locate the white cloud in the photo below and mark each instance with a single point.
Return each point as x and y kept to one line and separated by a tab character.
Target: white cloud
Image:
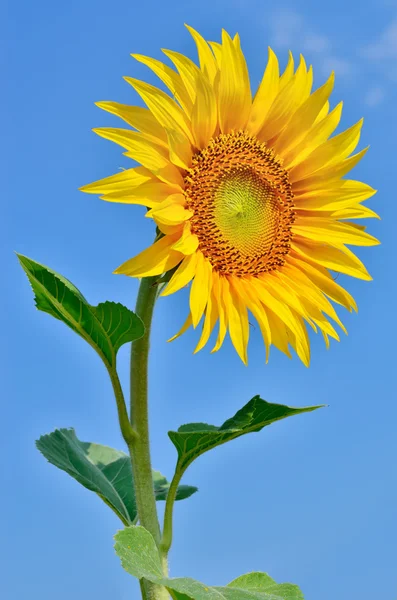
374	96
316	43
341	66
382	53
289	30
286	26
385	47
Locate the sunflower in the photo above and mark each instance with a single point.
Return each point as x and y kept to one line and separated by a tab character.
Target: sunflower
248	194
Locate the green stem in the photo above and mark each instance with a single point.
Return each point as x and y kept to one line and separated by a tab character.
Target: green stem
143	589
126	428
166	539
140	447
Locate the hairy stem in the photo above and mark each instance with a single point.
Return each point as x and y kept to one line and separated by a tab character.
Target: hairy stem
166	539
126	428
142	584
140	447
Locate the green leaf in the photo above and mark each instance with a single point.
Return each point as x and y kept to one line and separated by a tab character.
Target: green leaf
194	439
103	470
161	487
105	327
262	582
139	556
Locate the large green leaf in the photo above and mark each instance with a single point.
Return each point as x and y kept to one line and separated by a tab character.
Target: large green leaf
103	470
194	439
139	557
105	327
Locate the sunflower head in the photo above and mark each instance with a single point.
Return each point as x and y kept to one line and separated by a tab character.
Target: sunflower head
249	194
242	205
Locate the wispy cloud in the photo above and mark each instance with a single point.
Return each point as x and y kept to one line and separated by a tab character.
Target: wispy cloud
286	27
290	30
341	66
382	54
385	47
314	42
374	96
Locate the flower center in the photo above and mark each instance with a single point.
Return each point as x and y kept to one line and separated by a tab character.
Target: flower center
242	203
246	212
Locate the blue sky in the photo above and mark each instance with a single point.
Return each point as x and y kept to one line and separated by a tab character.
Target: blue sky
310	500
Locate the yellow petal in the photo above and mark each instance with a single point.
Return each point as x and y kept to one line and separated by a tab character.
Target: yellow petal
237	321
179	148
258	310
217	50
323	113
300	342
285	293
164	108
279	333
127	179
149	194
288	73
174	198
325	339
355	211
263	290
321	229
150	156
182	276
322	323
303	119
286	102
329	153
211	317
341	194
205	112
219	285
303	82
325	283
171	79
182	330
155	260
169	213
329	174
188	243
128	139
139	118
201	288
206	58
187	70
308	85
296	333
234	87
339	259
320	320
170	229
264	97
307	289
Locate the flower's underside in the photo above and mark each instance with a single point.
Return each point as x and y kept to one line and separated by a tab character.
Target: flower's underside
248	193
